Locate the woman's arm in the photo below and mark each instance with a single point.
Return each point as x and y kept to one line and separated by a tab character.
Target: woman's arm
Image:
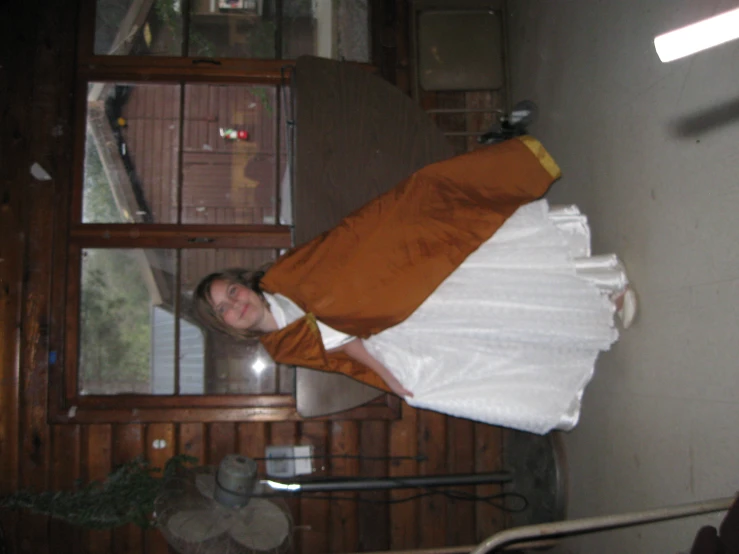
356	350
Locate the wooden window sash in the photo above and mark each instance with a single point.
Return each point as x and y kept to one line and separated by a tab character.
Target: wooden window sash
213	70
386	407
268	72
175	236
123	401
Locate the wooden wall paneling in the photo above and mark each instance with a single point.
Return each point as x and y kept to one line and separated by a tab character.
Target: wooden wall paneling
505	517
128	444
432	444
404	526
65	470
284	434
160	439
481	121
315	511
342	517
461	459
34	353
97	446
10	287
192	441
251	439
488	457
221	441
68	442
374	520
17	35
52	68
315	432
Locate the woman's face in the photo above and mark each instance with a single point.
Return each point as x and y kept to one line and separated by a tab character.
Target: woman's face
238	306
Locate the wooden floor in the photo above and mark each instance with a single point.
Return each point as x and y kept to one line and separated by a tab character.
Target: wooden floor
36	106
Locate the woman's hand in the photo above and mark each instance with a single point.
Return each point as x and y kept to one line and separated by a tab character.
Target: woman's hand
395	385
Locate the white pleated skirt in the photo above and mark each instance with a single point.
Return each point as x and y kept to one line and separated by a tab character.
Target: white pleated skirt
512	336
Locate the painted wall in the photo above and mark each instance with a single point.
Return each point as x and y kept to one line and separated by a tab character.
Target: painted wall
650	151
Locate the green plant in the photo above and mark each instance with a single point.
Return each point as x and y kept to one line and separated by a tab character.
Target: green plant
126	496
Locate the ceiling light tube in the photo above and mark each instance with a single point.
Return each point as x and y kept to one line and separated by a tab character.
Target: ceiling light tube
698	36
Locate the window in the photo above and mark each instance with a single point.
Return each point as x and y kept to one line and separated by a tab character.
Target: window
173	156
181	168
133	327
253	29
193	153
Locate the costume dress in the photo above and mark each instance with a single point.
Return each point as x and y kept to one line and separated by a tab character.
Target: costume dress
510	332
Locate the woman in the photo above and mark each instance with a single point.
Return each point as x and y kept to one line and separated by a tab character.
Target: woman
458	290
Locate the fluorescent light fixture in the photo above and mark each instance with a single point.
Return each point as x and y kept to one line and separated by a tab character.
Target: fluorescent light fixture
698	36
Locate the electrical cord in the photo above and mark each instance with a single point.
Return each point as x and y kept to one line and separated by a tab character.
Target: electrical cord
418	458
451	494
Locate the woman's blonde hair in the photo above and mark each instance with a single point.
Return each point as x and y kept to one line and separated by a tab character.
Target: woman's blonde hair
202	298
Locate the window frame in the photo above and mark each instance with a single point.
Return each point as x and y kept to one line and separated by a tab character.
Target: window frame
66	405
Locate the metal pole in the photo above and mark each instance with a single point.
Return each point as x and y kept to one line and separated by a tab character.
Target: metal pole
519	547
464	133
379	483
465	110
540	536
602	523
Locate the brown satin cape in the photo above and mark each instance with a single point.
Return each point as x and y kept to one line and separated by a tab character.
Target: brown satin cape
381	262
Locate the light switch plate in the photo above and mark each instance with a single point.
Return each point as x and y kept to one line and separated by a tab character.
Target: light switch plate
289	461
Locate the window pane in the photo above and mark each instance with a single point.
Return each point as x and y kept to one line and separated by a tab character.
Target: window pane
299	28
131	153
352	31
230	156
287	146
125	296
138	28
128	327
233	28
231	367
327	28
